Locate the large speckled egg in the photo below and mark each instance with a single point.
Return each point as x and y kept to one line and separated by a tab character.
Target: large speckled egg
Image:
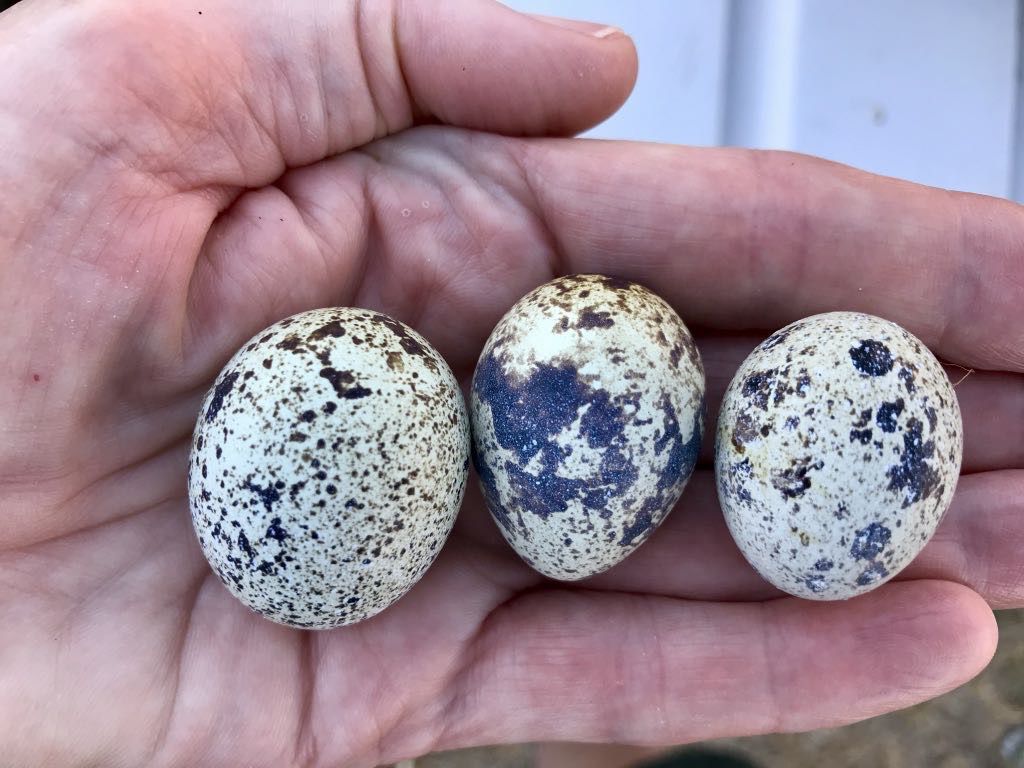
328	464
838	451
587	413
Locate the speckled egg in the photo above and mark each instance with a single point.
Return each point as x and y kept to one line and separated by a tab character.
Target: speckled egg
587	413
838	451
328	464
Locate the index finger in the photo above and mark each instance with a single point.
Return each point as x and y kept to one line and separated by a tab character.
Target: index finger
740	240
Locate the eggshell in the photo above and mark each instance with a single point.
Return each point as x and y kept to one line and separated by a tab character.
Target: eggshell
587	413
328	464
837	454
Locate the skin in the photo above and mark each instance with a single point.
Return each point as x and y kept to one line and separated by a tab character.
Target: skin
174	182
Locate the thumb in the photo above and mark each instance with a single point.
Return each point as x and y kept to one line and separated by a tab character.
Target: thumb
483	65
229	93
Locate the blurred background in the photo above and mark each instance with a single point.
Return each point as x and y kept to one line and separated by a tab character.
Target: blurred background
928	90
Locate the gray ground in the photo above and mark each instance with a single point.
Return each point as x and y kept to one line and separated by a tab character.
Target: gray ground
980	725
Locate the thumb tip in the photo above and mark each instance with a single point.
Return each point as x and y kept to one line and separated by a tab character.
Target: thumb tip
486	66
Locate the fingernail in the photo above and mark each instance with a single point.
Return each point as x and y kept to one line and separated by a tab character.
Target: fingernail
609	32
600	31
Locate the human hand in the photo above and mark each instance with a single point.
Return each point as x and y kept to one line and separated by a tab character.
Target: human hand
177	177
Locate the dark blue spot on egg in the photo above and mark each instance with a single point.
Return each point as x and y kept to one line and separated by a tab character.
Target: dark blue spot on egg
544	493
490	489
870	542
913	475
908	379
871	357
268	495
276	531
815	583
243	544
642	525
603	420
527	416
887	415
862	436
221	391
549	400
617	471
682	457
592	319
872	574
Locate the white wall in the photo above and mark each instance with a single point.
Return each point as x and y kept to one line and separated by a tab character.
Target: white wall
922	89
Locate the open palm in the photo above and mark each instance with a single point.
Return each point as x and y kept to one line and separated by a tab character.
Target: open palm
176	178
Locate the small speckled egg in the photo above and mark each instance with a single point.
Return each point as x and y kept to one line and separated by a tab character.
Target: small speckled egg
328	464
838	451
587	412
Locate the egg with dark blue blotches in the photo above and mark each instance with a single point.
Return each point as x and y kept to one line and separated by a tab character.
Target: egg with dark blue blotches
328	464
587	415
838	451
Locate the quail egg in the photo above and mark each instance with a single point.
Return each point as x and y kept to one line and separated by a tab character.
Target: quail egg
587	415
328	463
838	450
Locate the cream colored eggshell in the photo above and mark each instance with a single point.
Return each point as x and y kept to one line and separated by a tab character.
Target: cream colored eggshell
587	413
838	450
328	464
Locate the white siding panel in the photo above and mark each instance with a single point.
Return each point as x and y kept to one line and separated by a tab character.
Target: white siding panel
921	89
